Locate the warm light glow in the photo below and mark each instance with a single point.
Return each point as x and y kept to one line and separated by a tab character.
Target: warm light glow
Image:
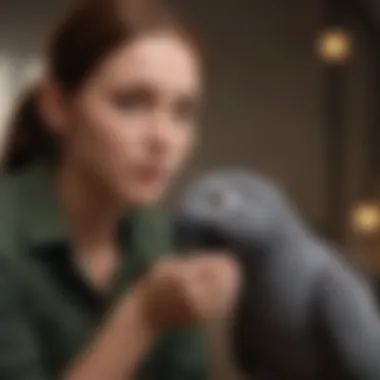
366	218
334	45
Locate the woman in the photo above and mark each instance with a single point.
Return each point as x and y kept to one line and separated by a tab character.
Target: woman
94	147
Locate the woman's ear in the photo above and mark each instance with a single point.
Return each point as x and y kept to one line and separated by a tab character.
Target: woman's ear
52	107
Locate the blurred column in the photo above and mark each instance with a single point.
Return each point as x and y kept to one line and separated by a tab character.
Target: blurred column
365	215
334	48
365	218
374	131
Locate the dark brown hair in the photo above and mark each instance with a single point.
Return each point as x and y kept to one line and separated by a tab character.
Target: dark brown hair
89	32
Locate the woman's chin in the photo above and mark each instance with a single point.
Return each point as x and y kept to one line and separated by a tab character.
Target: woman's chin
144	197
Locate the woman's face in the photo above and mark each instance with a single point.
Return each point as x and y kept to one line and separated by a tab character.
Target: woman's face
132	125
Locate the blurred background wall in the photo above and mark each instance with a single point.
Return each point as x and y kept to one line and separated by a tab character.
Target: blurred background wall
273	104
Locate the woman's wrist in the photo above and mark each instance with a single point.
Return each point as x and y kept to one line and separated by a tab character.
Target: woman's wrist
136	308
122	342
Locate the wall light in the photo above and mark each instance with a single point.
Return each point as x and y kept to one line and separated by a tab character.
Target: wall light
366	219
334	45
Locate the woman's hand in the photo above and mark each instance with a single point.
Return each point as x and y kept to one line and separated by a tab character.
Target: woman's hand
174	294
189	291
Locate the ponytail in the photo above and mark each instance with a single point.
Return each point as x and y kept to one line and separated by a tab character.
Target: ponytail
28	136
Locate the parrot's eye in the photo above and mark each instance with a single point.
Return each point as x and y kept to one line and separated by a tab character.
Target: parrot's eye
223	200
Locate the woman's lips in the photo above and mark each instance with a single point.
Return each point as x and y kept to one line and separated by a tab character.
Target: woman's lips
151	174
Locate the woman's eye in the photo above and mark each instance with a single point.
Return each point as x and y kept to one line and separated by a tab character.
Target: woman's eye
133	99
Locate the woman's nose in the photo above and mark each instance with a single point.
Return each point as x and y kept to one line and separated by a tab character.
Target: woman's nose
161	133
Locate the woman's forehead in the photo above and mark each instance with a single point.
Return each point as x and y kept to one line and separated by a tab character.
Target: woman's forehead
164	61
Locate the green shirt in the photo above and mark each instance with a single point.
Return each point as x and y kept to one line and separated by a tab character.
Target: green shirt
48	314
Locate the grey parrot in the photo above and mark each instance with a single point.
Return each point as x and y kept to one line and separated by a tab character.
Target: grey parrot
305	312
